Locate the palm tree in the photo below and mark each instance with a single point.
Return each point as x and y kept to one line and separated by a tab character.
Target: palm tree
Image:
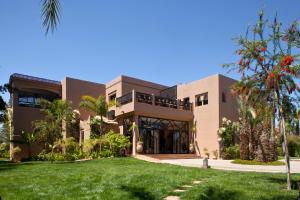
51	127
50	14
98	107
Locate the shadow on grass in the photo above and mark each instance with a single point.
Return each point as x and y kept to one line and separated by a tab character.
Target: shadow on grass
138	192
218	193
8	165
295	181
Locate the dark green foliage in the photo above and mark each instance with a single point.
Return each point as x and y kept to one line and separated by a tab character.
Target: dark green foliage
115	143
294	145
3	88
232	152
50	128
4	150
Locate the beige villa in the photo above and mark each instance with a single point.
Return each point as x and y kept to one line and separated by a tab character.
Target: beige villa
168	119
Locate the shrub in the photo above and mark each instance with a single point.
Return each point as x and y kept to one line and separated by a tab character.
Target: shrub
92	147
279	151
115	142
106	153
4	150
232	152
294	145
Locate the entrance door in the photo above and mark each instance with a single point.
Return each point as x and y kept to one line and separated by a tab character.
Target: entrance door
150	141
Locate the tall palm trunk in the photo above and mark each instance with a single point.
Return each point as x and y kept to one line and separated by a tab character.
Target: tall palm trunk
285	149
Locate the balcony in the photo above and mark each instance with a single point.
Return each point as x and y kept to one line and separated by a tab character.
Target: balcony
155	106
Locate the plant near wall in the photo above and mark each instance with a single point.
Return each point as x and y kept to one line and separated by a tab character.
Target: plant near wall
29	138
97	107
50	128
115	142
266	56
228	134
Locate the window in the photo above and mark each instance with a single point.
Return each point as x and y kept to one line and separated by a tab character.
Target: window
112	97
186	100
223	97
28	99
201	99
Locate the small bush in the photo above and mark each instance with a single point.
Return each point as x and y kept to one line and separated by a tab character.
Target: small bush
106	153
279	151
294	145
232	152
115	142
4	150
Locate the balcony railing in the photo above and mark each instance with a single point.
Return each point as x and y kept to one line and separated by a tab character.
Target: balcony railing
125	99
143	98
154	100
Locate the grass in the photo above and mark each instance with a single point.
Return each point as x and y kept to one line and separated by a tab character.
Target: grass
254	162
291	158
128	178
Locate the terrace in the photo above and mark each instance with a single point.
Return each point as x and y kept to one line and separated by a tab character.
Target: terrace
152	105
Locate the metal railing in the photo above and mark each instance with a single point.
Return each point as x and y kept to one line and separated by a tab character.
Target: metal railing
154	100
125	99
144	98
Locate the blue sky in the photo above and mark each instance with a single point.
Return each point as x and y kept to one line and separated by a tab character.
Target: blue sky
165	41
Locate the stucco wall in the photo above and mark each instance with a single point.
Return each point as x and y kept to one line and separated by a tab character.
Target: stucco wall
24	116
74	89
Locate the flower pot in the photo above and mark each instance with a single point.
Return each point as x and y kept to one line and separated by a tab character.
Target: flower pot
139	147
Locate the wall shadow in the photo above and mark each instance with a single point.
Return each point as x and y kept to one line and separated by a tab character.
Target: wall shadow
138	192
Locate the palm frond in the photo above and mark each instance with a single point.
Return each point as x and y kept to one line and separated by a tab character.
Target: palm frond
89	103
50	14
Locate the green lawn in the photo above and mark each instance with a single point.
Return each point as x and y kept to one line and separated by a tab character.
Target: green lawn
128	178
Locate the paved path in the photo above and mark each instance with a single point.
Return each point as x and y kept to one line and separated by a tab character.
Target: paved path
227	165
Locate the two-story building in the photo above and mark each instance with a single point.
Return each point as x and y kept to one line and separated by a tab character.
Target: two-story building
168	119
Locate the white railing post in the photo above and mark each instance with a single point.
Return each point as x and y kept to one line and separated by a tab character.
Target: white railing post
133	96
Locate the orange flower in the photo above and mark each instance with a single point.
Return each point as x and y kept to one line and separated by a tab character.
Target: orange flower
287	60
271	74
241	62
261	59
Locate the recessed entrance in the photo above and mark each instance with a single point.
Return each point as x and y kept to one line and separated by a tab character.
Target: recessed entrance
161	136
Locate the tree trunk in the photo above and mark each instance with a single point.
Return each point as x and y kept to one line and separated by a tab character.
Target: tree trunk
286	151
244	141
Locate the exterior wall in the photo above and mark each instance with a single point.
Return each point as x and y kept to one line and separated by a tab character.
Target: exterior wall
24	116
123	85
74	89
208	117
228	109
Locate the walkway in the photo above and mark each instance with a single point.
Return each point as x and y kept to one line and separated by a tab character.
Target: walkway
227	165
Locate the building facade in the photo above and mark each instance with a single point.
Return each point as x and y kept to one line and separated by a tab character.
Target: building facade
168	120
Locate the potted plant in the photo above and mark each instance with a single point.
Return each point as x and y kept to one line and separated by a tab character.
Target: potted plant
139	146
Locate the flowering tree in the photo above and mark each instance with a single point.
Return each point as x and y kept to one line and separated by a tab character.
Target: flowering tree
267	59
